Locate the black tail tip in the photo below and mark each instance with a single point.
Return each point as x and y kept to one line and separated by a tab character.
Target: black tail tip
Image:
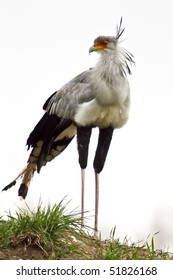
23	190
9	186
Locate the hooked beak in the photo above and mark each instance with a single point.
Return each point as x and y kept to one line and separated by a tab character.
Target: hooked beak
92	49
97	47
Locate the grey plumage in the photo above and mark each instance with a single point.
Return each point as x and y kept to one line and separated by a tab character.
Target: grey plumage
64	102
110	72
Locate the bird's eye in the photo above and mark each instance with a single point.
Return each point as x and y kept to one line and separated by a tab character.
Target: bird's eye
105	42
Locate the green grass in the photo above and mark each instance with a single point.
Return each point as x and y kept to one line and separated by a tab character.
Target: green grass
51	233
49	228
123	251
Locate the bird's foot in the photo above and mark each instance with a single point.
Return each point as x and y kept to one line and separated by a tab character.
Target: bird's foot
97	235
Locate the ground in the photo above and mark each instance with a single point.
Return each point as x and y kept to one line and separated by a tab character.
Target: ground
27	248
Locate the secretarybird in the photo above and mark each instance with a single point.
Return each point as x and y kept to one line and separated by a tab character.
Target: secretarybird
98	97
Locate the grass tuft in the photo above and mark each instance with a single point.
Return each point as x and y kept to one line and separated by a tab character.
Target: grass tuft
50	228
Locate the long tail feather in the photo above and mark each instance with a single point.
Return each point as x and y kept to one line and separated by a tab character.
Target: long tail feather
23	190
27	174
13	183
49	138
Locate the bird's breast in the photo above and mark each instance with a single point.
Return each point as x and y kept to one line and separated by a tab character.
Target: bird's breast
95	114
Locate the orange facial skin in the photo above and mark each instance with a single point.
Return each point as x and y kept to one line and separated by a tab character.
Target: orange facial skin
101	45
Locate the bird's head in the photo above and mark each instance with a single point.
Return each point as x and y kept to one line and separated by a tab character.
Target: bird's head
107	43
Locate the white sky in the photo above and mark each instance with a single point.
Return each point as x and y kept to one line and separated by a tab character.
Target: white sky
43	45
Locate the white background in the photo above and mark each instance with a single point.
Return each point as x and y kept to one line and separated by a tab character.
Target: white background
43	44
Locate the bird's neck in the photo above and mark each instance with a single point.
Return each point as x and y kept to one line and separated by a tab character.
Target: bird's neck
110	84
111	64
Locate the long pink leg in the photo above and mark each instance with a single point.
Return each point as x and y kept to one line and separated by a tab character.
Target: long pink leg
104	141
82	195
96	232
